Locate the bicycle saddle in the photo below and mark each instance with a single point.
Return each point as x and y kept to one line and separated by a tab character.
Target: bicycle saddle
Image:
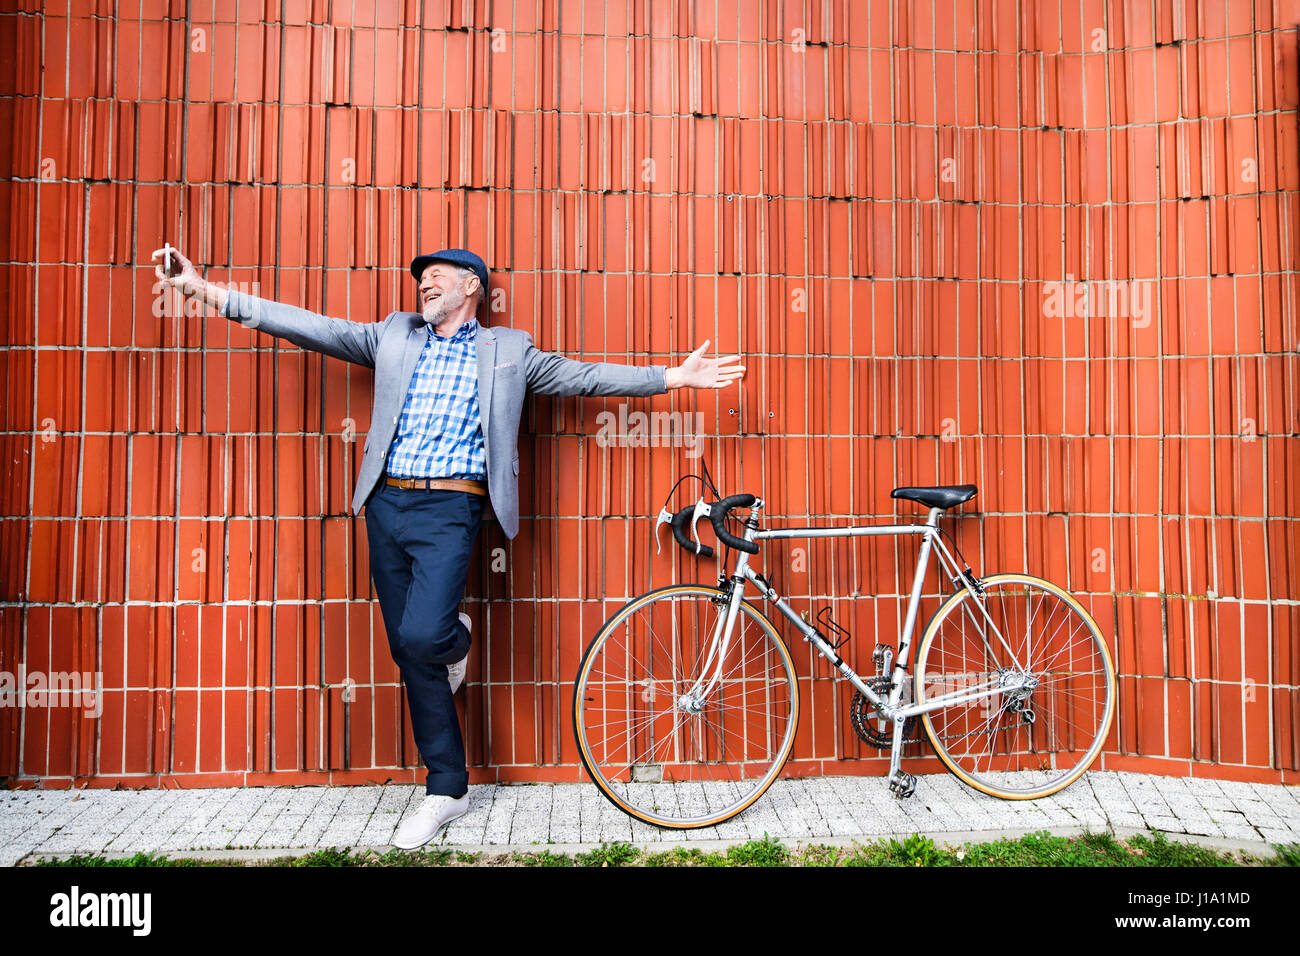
940	496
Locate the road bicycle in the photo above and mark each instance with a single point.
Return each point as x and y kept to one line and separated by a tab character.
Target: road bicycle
692	684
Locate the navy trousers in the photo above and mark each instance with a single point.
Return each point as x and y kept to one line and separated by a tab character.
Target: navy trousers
420	547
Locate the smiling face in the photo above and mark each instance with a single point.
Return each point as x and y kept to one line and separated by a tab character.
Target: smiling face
444	288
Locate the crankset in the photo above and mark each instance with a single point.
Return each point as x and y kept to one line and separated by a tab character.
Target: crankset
866	720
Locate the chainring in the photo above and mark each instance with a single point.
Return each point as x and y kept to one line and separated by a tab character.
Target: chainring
864	717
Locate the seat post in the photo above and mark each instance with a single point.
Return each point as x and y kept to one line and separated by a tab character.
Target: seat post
918	581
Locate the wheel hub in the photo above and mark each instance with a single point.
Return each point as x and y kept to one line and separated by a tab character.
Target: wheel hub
1017	686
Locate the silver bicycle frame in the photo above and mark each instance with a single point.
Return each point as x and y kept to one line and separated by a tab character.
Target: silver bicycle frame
888	708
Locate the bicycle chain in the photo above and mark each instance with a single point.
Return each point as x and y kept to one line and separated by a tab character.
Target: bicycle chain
978	731
863	715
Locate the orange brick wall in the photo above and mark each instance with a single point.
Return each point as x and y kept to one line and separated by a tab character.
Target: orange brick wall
875	205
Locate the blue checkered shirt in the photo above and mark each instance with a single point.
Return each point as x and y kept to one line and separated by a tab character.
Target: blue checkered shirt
440	432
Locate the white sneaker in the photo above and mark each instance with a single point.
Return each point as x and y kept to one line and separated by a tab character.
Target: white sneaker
456	672
430	817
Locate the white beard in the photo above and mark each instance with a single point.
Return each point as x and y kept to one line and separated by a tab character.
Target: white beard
438	309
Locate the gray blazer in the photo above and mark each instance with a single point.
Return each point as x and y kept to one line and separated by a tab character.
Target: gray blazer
508	366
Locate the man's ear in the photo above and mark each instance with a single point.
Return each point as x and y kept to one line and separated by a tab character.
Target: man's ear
481	304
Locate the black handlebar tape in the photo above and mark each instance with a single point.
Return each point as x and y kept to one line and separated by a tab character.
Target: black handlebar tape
718	515
679	524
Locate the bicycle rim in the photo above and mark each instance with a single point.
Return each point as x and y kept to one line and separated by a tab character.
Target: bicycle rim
1055	687
654	741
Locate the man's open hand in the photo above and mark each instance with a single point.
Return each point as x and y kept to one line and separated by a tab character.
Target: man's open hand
700	372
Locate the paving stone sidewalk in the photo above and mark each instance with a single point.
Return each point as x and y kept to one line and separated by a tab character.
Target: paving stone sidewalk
274	821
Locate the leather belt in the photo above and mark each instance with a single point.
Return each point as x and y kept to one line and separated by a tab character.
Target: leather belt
472	485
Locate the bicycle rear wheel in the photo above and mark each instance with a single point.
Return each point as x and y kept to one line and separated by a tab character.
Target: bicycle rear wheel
1054	680
648	721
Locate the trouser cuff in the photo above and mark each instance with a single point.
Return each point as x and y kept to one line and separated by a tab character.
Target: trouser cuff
447	784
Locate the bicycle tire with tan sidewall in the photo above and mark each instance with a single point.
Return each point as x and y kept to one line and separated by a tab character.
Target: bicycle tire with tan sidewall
975	779
618	674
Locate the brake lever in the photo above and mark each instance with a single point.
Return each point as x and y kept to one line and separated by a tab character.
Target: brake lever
701	511
665	517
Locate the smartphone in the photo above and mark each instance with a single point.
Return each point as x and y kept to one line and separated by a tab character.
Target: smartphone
169	267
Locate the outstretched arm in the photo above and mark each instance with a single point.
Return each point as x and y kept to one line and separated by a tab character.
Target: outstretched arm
551	374
351	341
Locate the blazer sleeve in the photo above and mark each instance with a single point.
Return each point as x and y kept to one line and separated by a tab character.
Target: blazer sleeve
551	374
355	342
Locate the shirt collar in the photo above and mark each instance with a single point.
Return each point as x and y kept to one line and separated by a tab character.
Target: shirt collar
467	331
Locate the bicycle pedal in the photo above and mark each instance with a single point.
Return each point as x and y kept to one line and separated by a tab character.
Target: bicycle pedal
902	785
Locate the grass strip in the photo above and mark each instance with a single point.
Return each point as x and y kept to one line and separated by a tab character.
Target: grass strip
1032	849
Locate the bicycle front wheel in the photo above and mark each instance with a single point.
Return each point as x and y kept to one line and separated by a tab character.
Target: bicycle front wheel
1031	685
665	699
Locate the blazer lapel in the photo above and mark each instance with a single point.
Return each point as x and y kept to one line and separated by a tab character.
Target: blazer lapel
416	337
487	358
